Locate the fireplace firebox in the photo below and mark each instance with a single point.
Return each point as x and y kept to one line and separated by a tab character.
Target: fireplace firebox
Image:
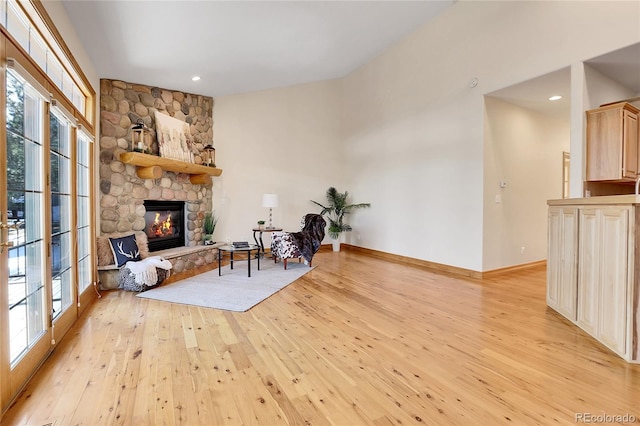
164	224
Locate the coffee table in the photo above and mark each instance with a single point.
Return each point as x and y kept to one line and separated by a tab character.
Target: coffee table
231	250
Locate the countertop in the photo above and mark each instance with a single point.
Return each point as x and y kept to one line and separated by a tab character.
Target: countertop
603	200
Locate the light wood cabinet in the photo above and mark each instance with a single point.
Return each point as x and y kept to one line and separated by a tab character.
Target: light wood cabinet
561	266
612	143
603	280
589	270
614	278
599	289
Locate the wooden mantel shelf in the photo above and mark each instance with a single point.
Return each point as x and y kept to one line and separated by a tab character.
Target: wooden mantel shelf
151	167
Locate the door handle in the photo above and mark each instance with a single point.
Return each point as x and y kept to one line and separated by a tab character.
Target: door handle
5	244
16	225
11	226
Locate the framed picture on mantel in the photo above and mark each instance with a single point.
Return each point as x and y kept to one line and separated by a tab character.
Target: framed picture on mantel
174	138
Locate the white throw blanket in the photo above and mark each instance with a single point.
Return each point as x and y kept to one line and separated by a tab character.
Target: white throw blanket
144	270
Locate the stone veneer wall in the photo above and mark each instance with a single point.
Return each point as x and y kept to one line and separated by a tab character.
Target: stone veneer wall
122	192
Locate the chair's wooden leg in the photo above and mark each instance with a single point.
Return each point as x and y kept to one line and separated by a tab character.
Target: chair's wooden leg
310	264
285	263
299	260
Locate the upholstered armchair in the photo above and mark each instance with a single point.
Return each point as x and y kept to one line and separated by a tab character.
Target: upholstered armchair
299	245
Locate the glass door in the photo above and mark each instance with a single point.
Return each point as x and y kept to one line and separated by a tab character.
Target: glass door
83	210
46	192
23	236
62	267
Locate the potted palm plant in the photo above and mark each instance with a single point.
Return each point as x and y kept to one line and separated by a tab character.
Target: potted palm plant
336	210
209	225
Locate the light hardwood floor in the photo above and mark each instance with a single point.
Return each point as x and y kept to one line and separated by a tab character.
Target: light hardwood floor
357	341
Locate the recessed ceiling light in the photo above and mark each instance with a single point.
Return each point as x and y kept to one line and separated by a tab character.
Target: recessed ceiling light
195	78
555	98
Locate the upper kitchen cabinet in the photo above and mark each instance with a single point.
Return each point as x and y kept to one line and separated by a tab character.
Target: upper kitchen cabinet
612	143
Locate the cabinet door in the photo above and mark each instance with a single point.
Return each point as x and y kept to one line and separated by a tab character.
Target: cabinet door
568	276
554	261
588	270
561	269
604	144
613	278
630	140
612	143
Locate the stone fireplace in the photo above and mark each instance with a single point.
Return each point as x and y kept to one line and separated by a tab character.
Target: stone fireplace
124	195
123	192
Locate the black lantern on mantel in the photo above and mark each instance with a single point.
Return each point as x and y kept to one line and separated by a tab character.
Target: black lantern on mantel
140	137
210	159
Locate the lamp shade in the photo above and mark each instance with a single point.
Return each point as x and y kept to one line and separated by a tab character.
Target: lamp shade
269	200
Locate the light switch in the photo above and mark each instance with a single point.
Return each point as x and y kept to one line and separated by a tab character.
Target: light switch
498	198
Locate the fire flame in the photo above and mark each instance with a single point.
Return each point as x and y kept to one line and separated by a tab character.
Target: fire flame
162	228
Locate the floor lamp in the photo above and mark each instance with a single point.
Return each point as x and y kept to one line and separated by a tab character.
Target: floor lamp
271	201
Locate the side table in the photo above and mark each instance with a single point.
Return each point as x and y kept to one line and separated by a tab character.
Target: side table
258	239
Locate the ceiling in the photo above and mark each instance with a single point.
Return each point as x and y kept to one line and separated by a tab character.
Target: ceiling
621	65
534	94
240	46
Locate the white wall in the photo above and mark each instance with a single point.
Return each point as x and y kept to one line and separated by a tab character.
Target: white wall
284	141
59	16
404	132
523	149
602	89
413	127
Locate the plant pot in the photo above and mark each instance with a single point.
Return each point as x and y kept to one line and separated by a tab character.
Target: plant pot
335	244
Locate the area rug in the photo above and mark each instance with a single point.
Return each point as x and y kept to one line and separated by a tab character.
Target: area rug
233	291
